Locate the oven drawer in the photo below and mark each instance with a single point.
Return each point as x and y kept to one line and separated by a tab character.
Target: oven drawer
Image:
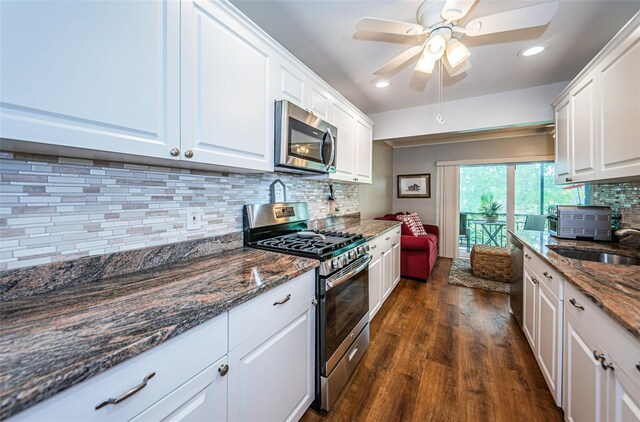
253	316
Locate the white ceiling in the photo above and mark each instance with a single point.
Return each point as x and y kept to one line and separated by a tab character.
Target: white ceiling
321	34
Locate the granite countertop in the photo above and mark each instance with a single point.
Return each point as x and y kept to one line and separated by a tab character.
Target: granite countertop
368	228
52	341
614	288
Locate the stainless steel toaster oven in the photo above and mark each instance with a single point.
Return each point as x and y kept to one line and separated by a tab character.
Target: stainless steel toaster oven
580	222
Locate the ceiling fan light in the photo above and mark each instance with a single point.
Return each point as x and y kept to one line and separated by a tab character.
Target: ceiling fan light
436	44
425	64
457	53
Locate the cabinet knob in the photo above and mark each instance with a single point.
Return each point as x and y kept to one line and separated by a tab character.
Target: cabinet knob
224	368
188	154
568	179
175	152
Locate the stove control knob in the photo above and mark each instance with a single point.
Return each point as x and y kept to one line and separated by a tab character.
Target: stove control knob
361	250
352	254
335	263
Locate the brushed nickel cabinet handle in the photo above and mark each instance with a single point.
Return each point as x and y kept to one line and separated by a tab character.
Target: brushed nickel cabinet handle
373	247
188	154
606	365
535	280
285	300
568	179
128	394
387	238
574	303
175	152
527	256
638	366
597	356
549	276
224	368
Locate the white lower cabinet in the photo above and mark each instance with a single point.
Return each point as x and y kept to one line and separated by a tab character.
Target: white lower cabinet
375	285
271	375
255	362
202	398
384	269
542	326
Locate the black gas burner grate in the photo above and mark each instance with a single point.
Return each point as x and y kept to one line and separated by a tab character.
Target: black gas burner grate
332	241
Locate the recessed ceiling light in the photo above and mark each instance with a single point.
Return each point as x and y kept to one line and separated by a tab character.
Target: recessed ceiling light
383	84
532	51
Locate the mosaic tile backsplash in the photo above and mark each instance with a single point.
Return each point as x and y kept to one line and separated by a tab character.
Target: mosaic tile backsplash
54	208
623	198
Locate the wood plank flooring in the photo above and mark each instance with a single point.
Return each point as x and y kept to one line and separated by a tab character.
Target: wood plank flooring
444	353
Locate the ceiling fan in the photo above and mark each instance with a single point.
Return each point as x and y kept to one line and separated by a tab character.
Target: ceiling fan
438	34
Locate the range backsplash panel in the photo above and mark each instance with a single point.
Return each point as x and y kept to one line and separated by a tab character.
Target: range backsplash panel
55	208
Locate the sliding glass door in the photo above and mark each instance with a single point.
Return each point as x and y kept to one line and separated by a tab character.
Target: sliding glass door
497	197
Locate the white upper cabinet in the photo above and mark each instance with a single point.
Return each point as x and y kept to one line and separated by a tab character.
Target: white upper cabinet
364	143
192	81
582	144
95	75
619	112
226	109
598	114
344	119
563	136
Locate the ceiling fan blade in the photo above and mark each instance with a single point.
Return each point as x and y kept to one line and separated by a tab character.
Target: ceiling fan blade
526	17
458	70
399	60
389	27
454	10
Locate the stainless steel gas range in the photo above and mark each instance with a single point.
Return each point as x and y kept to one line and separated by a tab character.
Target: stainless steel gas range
342	319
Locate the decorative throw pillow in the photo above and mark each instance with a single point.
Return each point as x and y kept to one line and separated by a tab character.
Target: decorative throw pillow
412	221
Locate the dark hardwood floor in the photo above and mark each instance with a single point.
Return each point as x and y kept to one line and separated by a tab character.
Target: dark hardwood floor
444	353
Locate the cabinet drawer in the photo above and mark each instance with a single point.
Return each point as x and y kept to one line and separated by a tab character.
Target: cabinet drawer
376	245
173	362
253	316
544	273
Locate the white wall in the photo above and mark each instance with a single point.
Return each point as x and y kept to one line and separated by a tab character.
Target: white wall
417	160
524	106
376	199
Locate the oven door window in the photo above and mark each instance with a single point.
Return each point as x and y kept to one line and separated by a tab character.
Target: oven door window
346	305
306	142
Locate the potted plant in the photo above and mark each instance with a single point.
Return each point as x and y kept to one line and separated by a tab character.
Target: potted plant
489	208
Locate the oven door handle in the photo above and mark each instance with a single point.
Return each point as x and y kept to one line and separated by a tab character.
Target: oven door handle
334	283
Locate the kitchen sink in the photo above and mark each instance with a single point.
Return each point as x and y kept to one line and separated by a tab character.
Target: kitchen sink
607	258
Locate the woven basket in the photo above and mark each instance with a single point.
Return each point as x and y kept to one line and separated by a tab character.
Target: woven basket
491	262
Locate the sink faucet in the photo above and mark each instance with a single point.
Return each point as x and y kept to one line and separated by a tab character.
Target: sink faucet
626	232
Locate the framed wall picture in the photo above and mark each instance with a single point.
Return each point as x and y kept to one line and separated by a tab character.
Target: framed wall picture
414	185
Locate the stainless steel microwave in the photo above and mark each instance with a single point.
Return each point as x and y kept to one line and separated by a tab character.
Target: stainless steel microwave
303	141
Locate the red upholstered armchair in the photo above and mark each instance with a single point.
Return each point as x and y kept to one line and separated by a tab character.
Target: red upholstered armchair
417	253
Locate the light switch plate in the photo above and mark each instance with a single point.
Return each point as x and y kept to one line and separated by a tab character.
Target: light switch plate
194	218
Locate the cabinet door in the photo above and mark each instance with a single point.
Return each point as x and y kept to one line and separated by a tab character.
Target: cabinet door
563	136
387	278
319	101
619	125
375	285
227	111
290	83
364	137
583	130
99	75
395	249
529	305
344	119
584	379
549	338
272	375
202	398
624	397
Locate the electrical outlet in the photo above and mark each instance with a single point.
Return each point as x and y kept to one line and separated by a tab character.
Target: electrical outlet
194	218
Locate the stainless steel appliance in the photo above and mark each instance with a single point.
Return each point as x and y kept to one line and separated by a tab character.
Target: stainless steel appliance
303	141
342	319
580	222
516	286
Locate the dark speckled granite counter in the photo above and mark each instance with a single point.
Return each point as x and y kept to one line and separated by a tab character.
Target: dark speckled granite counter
59	338
66	322
614	288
